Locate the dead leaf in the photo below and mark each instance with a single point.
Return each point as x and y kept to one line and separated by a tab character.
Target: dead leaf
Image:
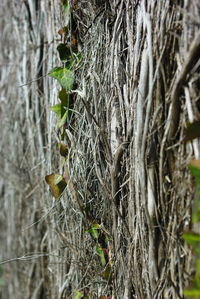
57	184
63	150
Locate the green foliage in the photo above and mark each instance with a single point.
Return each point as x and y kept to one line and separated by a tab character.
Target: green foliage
57	109
64	76
196	173
64	97
94	230
192	238
107	273
62	109
98	234
100	252
196	211
77	295
194	293
63	120
198	272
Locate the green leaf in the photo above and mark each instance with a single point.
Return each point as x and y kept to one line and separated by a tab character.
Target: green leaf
193	292
64	97
57	109
192	239
61	108
100	252
94	230
190	236
64	76
107	273
63	120
77	295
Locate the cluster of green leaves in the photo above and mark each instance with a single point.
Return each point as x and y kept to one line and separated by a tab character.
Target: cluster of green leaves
94	231
65	76
193	238
78	294
83	295
101	239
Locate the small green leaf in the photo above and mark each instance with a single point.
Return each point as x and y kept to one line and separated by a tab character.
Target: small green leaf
64	97
64	76
61	108
63	120
107	272
100	252
57	109
77	295
191	238
94	230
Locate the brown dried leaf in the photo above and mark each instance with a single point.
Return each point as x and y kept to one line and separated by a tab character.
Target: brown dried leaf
57	184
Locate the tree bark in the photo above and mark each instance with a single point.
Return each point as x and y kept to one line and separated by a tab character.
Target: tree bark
137	85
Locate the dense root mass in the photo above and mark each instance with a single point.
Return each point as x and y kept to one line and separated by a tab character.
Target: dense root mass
117	229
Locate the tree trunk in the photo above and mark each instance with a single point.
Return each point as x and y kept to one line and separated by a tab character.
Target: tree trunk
117	229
